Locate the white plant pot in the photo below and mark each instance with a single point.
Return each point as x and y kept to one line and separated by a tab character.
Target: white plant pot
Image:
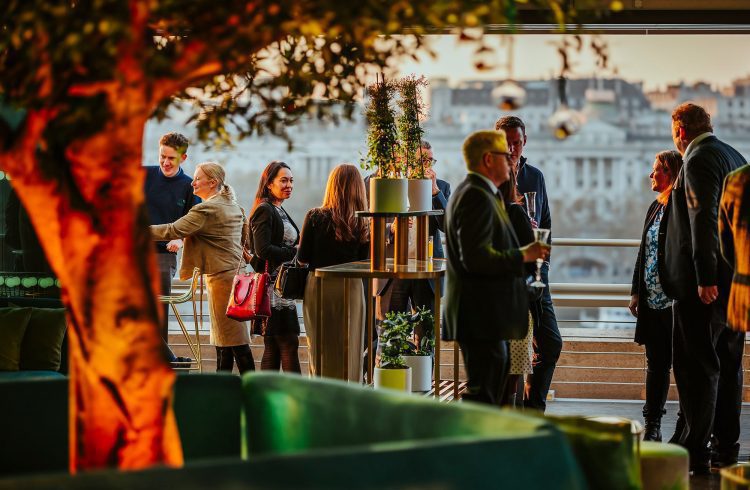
420	195
389	195
421	372
394	379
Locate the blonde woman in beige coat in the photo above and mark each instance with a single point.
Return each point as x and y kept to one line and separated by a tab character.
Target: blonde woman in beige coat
212	231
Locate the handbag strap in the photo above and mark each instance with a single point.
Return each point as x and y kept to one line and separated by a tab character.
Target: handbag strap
243	241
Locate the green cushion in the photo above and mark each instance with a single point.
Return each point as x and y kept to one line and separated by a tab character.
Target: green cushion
664	466
13	325
208	409
42	345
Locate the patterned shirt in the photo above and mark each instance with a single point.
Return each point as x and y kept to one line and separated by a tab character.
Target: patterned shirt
290	238
655	297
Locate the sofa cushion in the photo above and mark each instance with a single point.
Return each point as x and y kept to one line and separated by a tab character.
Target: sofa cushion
41	348
13	325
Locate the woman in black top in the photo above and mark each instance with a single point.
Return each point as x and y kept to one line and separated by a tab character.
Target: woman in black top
273	240
521	350
648	303
332	234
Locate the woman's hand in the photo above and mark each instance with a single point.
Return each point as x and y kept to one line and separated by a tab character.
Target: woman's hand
633	306
174	245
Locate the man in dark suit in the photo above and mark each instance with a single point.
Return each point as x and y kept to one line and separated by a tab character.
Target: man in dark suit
401	294
547	339
486	298
707	355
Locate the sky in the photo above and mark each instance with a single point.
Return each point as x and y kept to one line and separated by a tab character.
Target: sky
656	60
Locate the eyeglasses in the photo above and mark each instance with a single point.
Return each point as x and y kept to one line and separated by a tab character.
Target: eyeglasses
430	161
505	154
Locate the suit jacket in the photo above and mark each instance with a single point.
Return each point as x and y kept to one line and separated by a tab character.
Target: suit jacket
643	328
266	236
734	233
692	245
212	231
486	295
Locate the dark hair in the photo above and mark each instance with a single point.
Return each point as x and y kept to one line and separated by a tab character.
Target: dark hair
269	173
510	122
175	140
671	161
426	145
693	118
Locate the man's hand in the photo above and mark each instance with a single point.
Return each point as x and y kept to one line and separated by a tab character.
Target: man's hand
534	251
534	223
633	306
174	245
430	174
708	294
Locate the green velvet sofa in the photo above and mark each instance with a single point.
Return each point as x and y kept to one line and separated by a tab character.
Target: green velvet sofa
317	433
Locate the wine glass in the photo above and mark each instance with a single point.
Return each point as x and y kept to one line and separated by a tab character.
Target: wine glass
530	198
540	235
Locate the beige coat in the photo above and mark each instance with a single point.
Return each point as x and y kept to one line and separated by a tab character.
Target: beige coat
212	231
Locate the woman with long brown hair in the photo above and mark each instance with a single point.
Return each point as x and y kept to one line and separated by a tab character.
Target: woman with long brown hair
272	241
648	303
332	234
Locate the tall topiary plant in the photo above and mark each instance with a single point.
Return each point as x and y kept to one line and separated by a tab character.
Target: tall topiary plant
382	133
409	125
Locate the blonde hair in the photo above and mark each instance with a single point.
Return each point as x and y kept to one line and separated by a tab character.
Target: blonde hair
345	194
481	142
214	171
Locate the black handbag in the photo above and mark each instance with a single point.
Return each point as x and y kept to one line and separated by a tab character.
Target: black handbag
290	283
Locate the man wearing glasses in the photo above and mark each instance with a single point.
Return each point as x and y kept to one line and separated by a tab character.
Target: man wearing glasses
547	339
486	303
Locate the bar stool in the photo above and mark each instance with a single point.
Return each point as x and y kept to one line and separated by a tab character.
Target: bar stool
189	295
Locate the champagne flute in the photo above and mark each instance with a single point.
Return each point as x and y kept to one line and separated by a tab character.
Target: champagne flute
540	235
530	199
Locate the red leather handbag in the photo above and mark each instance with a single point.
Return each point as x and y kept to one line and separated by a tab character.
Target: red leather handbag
251	296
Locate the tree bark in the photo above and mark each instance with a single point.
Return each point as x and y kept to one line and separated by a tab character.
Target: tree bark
94	229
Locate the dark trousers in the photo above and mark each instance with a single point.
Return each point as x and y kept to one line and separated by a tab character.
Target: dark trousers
658	360
486	364
167	263
707	368
411	293
548	345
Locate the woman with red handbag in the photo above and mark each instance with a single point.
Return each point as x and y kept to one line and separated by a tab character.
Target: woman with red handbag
213	231
332	234
273	238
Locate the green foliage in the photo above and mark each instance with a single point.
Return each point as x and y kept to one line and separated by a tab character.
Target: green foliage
409	125
394	340
406	334
423	329
382	133
242	68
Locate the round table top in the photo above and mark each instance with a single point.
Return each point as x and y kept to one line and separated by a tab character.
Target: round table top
415	269
368	214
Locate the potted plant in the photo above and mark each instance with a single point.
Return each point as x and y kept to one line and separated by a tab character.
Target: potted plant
388	190
410	131
391	370
419	357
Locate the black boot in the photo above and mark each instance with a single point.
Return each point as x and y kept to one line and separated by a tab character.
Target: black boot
224	359
653	429
244	357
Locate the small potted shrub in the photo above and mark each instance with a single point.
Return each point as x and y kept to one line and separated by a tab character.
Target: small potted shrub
388	190
391	370
421	348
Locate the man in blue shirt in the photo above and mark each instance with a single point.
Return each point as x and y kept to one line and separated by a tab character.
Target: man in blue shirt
169	196
548	342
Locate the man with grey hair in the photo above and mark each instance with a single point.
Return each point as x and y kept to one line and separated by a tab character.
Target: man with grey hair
486	297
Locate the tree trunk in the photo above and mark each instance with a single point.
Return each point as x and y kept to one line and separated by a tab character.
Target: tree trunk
93	226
